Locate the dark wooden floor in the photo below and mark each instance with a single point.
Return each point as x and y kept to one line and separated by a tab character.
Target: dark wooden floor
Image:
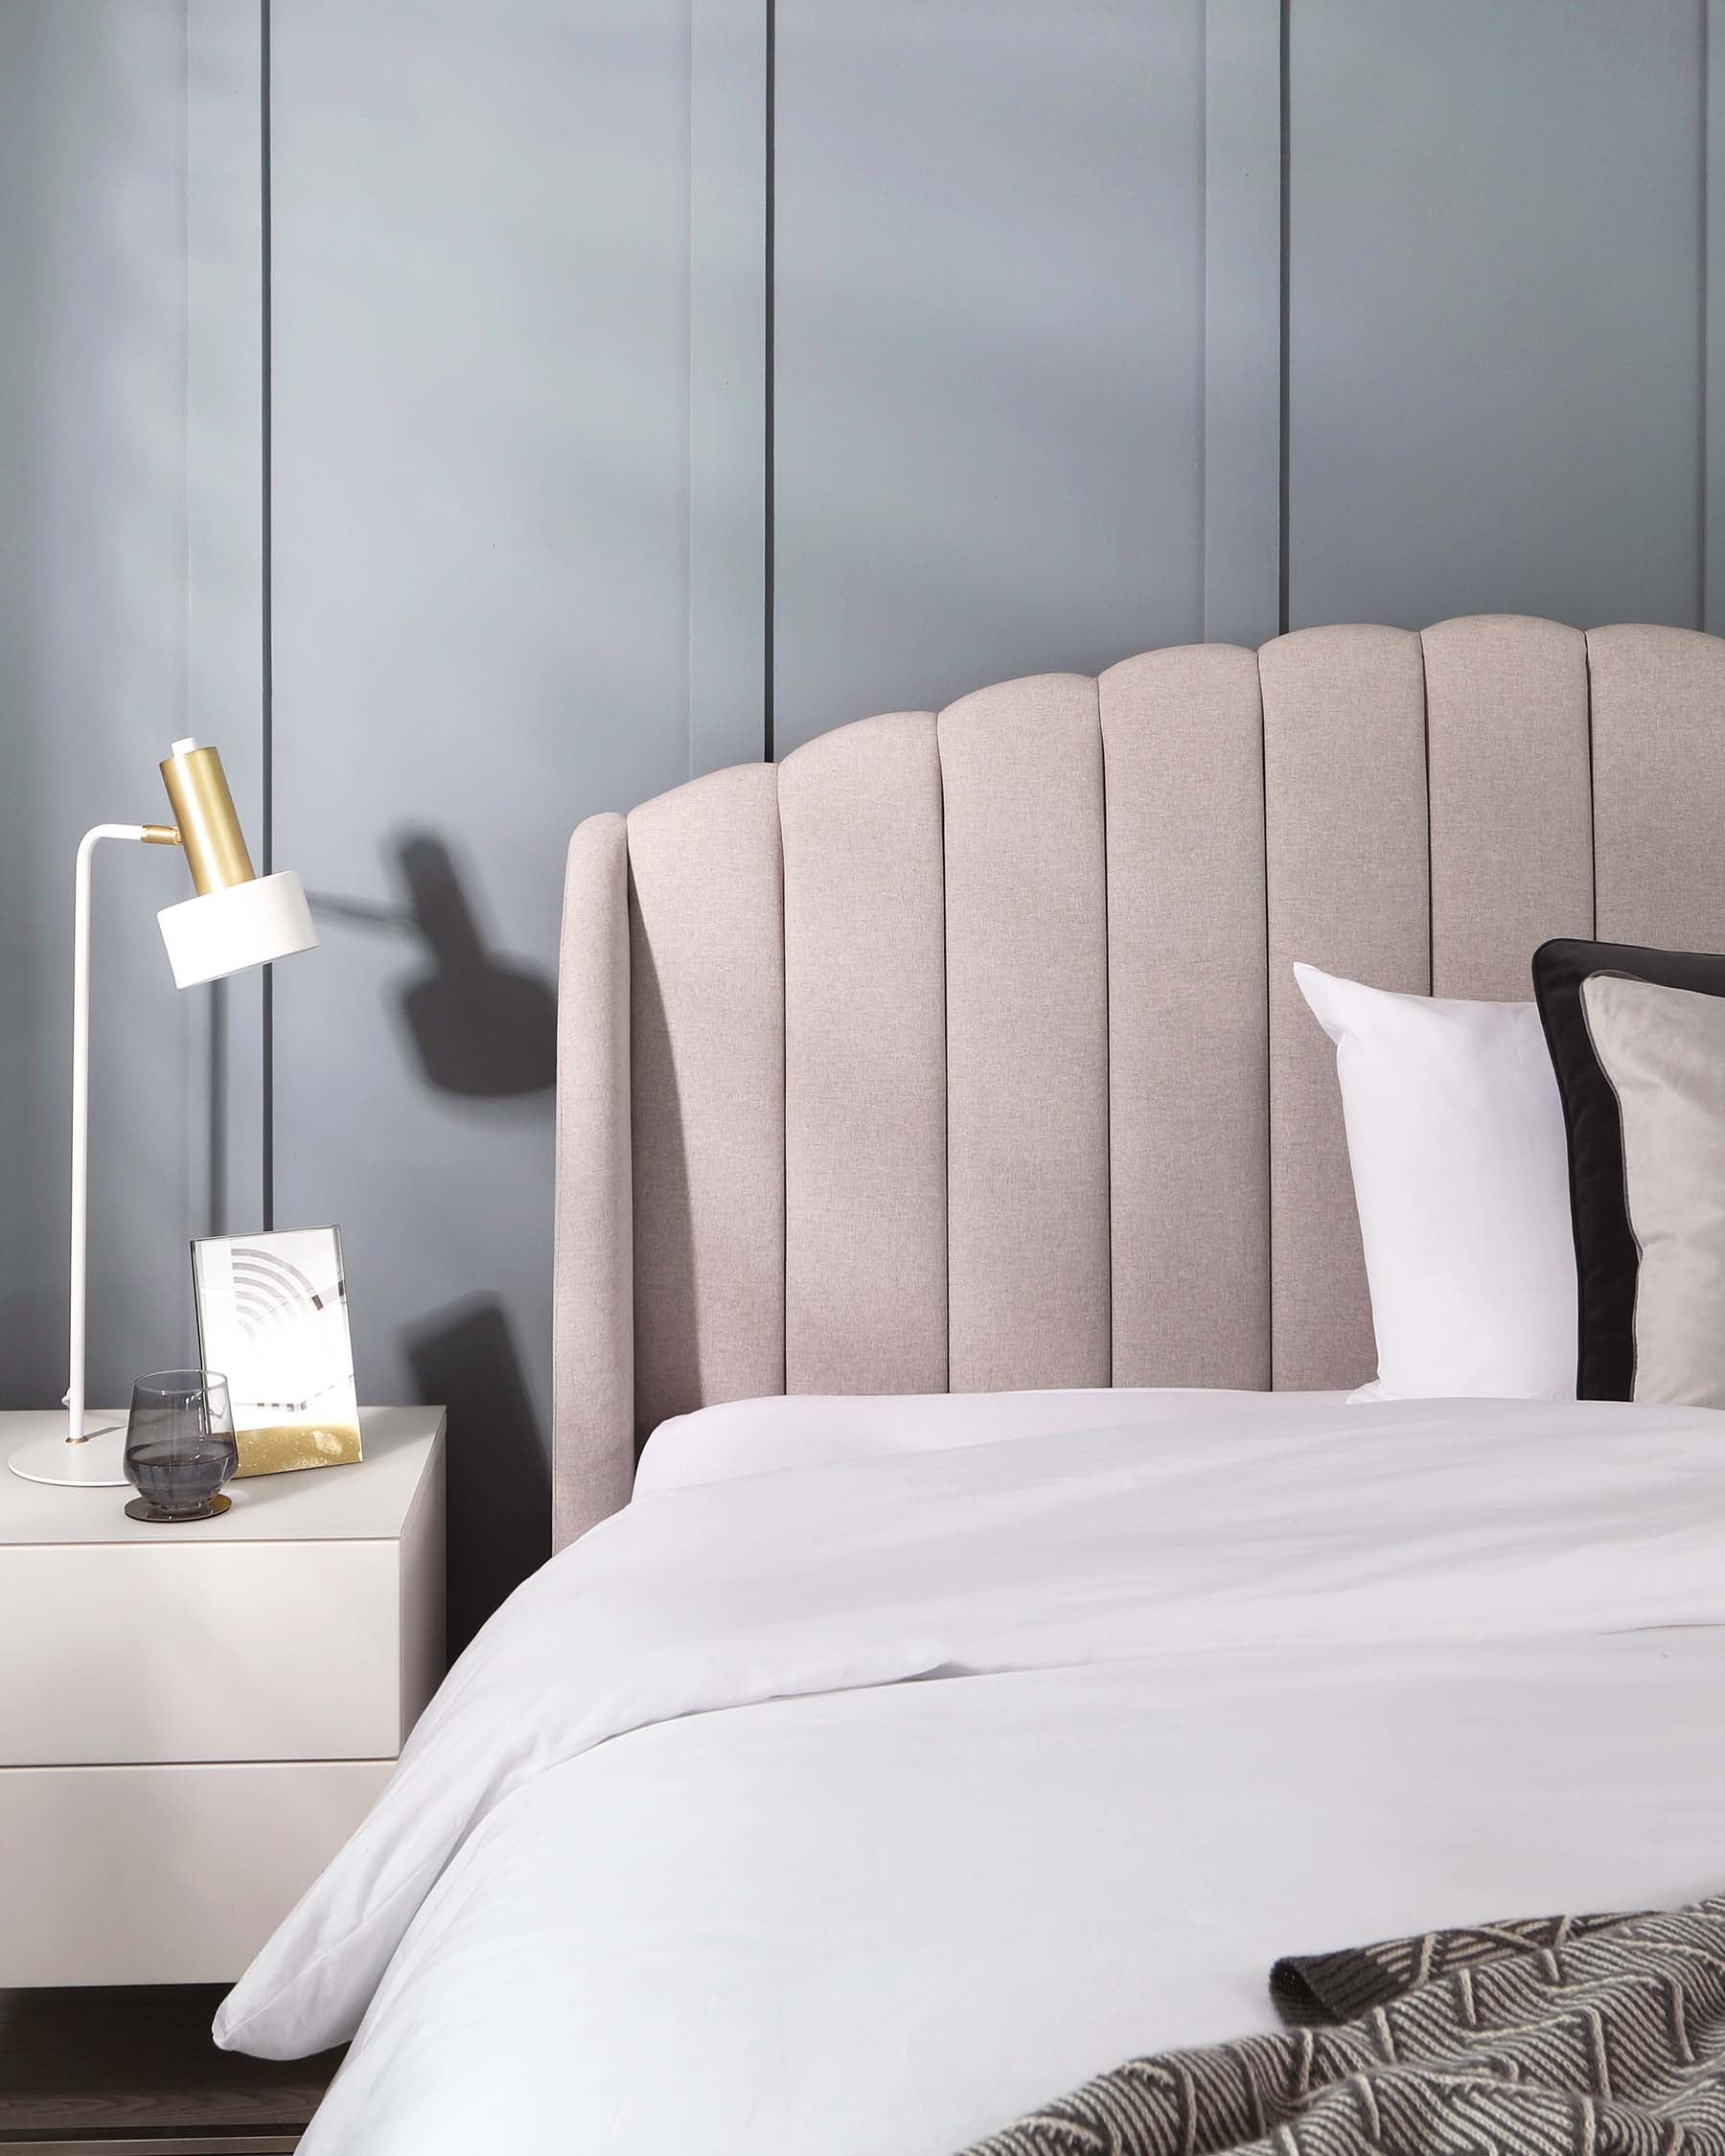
134	2070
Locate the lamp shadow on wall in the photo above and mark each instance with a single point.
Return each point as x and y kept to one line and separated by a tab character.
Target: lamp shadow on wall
497	1478
482	1026
479	1026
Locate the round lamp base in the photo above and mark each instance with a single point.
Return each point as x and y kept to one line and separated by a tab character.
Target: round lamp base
99	1463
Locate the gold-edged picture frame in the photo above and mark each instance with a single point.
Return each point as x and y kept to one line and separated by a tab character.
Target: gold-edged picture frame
272	1317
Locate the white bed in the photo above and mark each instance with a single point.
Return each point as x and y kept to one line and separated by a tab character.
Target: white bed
856	1807
890	1765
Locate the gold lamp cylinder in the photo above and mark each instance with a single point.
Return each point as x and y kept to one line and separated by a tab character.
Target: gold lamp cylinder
209	824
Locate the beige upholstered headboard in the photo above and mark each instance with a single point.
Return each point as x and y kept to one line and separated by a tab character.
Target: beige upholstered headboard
961	1049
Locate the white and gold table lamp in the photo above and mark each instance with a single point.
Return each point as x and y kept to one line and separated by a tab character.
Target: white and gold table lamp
236	919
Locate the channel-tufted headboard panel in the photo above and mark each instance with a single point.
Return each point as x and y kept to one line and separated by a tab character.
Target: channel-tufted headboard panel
962	1050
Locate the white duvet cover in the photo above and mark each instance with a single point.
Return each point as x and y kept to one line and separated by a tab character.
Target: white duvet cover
808	1430
857	1807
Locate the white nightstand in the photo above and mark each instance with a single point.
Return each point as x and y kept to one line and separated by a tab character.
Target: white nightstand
192	1719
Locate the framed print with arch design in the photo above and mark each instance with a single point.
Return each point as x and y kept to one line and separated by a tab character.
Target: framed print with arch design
272	1317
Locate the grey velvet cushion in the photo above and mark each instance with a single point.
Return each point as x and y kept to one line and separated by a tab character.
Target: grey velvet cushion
1663	1051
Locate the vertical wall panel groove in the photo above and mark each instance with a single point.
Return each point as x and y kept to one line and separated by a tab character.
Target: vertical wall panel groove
729	587
1711	269
1240	419
266	462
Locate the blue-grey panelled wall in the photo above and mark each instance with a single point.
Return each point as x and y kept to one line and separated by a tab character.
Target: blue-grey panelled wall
1066	364
477	413
131	547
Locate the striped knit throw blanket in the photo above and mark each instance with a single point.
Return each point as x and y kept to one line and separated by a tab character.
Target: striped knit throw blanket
1567	2036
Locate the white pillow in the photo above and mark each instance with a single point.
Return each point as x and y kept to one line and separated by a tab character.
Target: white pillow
1455	1135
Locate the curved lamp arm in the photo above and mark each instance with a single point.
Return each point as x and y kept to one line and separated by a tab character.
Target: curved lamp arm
147	834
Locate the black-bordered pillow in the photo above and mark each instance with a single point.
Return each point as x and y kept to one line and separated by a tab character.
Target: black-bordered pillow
1650	1050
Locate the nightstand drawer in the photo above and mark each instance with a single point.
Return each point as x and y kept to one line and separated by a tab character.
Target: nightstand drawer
164	1875
306	1623
175	1652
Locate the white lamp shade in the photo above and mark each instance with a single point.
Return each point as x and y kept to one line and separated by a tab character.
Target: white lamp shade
248	925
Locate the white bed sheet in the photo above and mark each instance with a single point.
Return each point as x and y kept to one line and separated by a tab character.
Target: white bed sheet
812	1429
683	1859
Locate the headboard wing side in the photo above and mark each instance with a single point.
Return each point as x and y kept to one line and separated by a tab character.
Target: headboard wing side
708	1054
593	1370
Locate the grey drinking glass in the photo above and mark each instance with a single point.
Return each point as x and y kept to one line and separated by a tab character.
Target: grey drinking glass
179	1445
